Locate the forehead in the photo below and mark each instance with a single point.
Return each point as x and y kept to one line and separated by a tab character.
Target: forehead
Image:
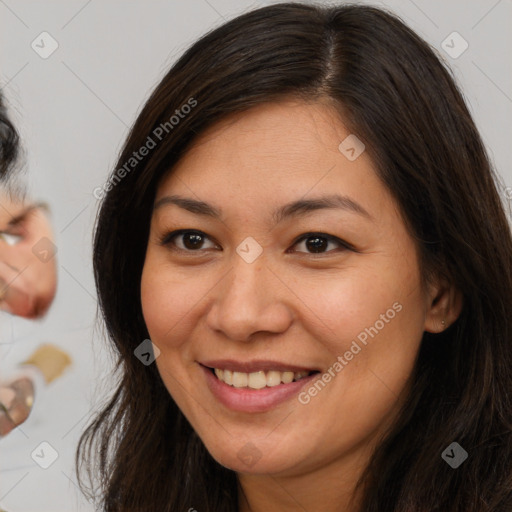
288	124
286	147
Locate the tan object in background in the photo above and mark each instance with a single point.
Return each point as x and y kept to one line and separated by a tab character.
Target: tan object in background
51	361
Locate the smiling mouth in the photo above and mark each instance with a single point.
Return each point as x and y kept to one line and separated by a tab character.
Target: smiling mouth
260	379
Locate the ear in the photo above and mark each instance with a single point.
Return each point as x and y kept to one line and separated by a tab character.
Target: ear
444	304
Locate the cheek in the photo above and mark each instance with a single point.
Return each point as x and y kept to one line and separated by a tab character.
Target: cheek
373	318
344	306
160	308
170	302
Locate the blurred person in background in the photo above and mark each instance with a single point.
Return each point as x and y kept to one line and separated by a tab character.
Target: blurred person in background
28	279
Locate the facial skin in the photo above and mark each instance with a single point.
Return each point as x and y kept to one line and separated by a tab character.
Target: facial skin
28	283
291	304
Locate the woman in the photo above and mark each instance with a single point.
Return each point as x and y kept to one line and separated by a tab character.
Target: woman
306	226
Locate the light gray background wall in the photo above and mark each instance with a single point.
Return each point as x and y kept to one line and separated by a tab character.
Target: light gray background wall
74	109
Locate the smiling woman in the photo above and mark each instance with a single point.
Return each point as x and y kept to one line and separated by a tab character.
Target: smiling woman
324	223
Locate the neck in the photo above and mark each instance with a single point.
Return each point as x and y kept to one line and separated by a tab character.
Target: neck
331	488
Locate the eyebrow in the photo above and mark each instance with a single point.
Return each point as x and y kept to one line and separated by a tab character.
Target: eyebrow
28	209
297	208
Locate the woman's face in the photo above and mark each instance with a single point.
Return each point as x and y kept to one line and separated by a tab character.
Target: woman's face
274	252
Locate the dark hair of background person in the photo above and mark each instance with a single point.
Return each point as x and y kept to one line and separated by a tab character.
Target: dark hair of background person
392	90
9	143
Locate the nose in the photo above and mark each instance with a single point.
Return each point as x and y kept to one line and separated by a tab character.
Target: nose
249	300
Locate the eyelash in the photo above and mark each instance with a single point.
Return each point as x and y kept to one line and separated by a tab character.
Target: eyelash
168	239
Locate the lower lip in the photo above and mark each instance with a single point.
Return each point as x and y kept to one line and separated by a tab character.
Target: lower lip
253	400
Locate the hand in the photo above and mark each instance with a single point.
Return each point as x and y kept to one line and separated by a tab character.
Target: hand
16	399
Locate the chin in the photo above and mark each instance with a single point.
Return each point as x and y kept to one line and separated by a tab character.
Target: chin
249	459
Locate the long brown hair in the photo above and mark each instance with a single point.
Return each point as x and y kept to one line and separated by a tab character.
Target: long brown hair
391	89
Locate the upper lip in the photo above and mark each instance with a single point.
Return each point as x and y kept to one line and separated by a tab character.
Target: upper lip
255	365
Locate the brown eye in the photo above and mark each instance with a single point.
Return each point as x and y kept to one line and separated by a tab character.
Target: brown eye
192	240
187	240
317	243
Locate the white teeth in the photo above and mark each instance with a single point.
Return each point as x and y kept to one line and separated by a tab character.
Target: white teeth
258	380
273	378
240	379
228	377
287	377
